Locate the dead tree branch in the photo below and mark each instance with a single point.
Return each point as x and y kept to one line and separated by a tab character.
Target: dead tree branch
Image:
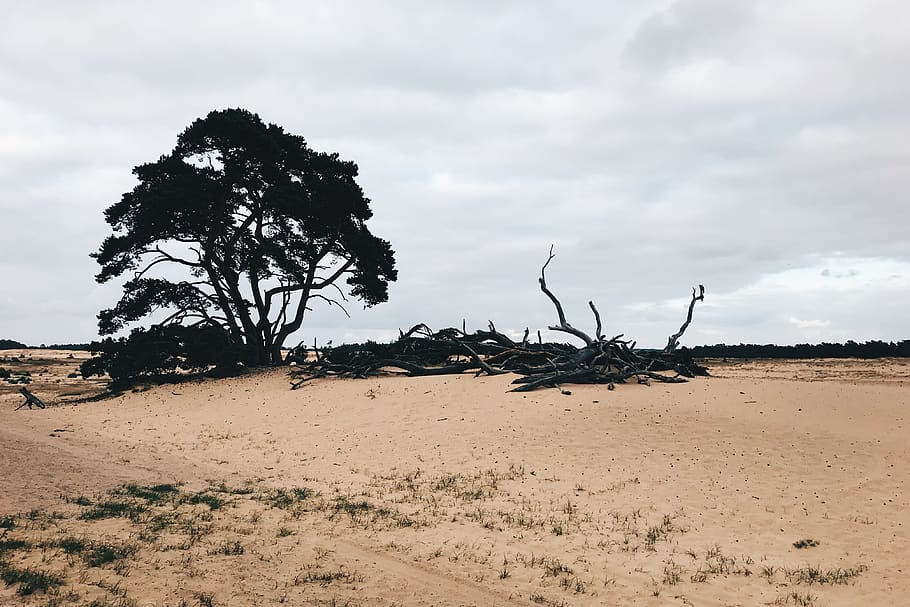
420	352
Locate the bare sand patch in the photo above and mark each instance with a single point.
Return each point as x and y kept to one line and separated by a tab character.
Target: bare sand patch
451	491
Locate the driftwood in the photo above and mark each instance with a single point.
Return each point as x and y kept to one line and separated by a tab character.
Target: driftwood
421	351
30	399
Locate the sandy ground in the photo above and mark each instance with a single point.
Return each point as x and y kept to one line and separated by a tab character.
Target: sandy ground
451	491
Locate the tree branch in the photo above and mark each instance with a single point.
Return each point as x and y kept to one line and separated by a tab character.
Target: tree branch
564	326
673	340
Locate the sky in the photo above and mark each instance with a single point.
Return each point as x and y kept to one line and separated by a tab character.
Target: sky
758	148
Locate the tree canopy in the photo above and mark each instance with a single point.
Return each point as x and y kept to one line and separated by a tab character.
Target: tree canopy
239	229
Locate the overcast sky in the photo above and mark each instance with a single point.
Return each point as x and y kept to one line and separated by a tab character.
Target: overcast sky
757	147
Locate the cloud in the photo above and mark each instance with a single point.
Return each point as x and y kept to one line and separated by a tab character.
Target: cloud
809	324
657	144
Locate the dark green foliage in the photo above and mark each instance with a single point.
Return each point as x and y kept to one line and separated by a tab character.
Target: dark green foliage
9	344
162	351
258	222
4	373
7	522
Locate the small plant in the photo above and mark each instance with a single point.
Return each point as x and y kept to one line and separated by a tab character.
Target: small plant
572	584
554	568
816	575
229	549
205	600
284	498
100	554
672	573
73	545
7	522
805	543
314	575
155	494
356	508
212	501
284	532
795	598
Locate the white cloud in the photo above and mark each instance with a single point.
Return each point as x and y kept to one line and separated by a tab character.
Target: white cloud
659	144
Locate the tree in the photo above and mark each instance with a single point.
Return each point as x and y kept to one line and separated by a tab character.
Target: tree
256	224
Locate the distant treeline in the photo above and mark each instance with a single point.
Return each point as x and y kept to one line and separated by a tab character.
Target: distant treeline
850	349
9	344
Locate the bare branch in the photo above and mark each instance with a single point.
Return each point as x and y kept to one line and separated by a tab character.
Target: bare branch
331	302
673	340
564	326
597	332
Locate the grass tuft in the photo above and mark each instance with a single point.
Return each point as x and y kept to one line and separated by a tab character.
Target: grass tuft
30	579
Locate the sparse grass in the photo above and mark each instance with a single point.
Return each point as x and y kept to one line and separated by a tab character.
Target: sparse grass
658	532
120	601
356	508
229	548
223	488
717	563
79	500
56	598
12	544
30	579
155	494
314	575
672	573
204	497
114	509
539	599
205	600
795	598
572	584
286	498
554	568
816	575
95	554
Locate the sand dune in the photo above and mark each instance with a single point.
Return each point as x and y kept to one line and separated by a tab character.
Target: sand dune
451	491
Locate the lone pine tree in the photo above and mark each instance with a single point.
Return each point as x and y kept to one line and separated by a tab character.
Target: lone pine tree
232	235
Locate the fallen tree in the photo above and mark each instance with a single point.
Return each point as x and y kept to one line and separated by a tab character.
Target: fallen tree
421	351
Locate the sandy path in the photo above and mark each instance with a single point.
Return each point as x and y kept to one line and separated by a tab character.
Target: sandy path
743	464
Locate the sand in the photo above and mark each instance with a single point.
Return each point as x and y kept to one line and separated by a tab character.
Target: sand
452	491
